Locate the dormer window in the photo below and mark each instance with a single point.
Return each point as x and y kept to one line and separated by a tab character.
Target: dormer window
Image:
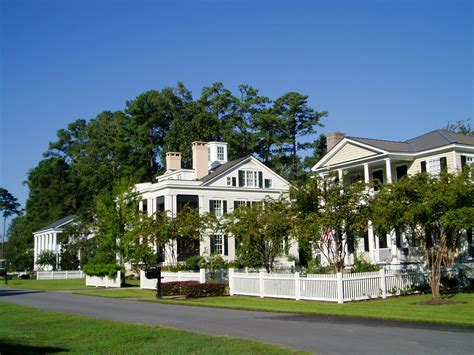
220	153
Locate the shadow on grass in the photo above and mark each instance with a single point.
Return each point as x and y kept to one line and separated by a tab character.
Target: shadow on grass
13	348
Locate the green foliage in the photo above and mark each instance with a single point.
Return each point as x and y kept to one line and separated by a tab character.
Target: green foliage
326	212
193	289
103	270
19	248
463	127
435	209
47	258
261	230
361	265
193	263
315	267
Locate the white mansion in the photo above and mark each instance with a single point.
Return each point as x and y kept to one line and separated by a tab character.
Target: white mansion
213	185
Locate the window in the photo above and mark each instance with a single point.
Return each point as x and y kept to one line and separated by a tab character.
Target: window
145	206
402	171
466	160
218	207
250	178
183	201
231	181
160	203
220	153
268	183
219	244
434	166
238	203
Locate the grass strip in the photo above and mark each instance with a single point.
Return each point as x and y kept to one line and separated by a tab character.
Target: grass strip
29	330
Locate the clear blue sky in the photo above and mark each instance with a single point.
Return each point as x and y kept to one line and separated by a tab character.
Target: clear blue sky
385	69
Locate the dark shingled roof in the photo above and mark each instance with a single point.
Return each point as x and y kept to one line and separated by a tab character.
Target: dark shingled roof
223	168
58	223
430	140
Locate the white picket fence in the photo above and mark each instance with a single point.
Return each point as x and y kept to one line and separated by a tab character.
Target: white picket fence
59	275
150	284
104	281
333	287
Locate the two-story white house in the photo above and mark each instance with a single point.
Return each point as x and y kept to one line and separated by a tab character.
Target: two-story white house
367	159
213	185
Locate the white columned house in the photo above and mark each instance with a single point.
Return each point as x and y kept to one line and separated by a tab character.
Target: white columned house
47	238
370	160
213	185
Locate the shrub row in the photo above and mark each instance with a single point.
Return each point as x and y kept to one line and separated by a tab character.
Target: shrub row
193	289
102	270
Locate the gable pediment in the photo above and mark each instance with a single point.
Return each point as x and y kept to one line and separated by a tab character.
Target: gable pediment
348	152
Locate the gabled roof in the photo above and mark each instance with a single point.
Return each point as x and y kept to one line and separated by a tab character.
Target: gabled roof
223	168
58	224
430	140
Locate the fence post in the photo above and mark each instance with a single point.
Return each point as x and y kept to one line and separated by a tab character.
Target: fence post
52	275
261	283
383	283
297	286
202	276
37	275
231	281
340	288
67	275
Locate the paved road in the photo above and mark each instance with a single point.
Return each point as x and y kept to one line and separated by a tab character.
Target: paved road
324	335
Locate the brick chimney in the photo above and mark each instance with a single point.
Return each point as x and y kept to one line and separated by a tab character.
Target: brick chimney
200	159
333	138
173	161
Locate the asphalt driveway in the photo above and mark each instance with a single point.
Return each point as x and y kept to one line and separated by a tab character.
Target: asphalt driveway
323	335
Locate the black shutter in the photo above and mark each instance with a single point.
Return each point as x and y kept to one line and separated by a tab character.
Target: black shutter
350	243
443	163
234	181
213	244
226	244
463	162
260	179
211	206
224	206
469	235
423	166
241	178
236	205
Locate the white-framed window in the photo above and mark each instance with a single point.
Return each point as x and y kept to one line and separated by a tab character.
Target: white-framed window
219	244
470	159
229	181
434	166
251	178
220	153
218	210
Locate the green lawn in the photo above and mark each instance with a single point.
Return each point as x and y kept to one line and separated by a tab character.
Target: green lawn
397	308
24	329
47	285
56	285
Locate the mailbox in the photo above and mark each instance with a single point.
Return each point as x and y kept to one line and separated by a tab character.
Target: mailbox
153	273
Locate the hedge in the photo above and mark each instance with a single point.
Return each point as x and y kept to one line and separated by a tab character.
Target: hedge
102	270
193	289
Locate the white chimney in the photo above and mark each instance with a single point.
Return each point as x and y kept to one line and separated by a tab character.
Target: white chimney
333	138
200	156
173	161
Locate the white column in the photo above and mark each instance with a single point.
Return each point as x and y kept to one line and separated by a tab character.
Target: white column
394	250
388	168
366	176
370	233
35	252
455	162
341	176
